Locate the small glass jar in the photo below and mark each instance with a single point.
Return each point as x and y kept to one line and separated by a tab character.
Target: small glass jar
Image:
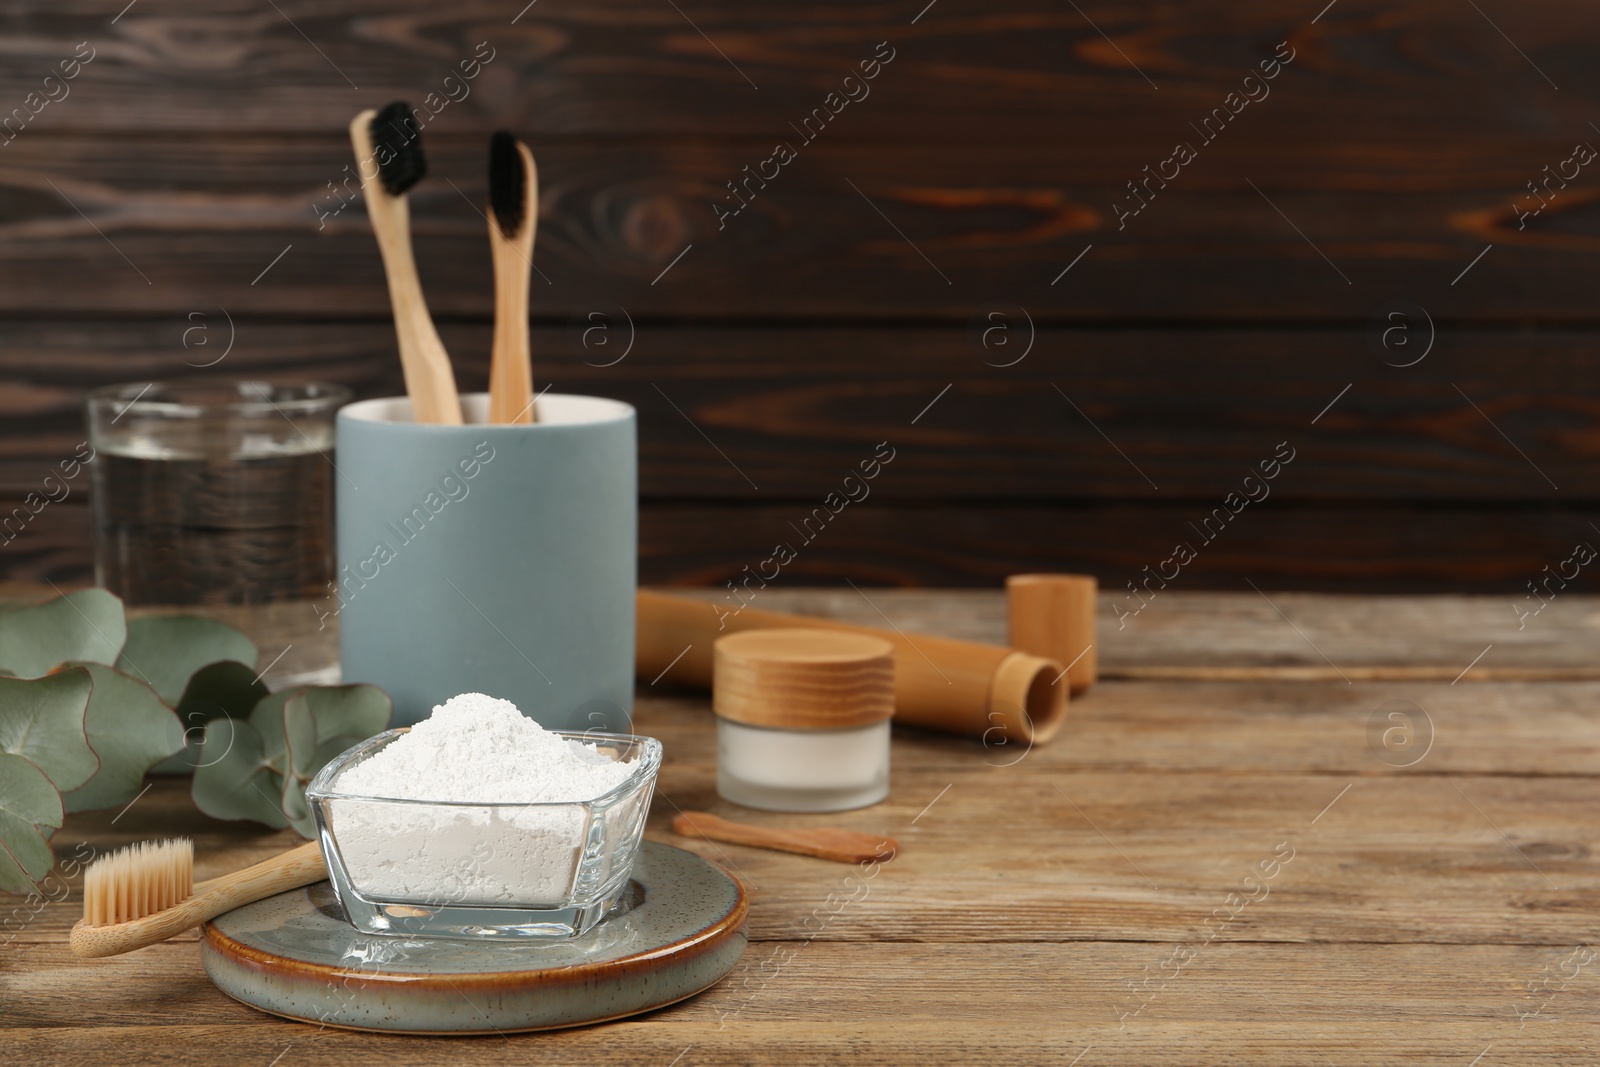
803	719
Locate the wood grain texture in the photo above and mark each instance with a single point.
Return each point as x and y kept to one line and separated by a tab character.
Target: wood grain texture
1034	819
624	68
1189	633
799	409
196	168
801	678
820	240
1237	1003
1192	873
1330	548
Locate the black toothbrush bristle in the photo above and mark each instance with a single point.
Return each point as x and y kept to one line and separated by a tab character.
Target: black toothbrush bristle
397	144
508	191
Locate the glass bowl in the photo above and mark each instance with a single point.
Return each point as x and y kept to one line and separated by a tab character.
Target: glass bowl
479	870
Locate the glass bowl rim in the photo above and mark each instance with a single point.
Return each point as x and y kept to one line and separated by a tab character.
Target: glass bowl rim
649	762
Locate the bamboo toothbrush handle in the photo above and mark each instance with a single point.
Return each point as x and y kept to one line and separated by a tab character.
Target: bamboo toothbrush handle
510	364
423	360
293	869
430	382
829	843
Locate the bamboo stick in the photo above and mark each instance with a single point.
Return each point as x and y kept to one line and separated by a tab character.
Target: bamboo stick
827	843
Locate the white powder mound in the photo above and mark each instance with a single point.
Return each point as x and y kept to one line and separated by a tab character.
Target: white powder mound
474	749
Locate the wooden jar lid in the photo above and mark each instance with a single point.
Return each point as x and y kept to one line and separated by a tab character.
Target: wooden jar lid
803	679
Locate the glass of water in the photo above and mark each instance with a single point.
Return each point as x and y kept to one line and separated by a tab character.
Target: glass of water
216	498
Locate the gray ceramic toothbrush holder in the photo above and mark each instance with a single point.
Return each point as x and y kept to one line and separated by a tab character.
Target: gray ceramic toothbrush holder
491	559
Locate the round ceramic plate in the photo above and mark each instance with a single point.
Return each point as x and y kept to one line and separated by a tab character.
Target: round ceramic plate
680	929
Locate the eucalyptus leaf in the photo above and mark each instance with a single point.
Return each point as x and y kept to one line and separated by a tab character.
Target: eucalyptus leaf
43	719
167	650
328	750
355	712
219	689
292	802
28	801
318	723
295	805
225	688
267	718
85	626
233	779
131	730
300	737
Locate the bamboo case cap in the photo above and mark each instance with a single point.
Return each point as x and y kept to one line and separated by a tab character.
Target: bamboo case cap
1053	615
803	679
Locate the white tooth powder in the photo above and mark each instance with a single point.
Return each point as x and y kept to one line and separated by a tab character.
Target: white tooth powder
472	748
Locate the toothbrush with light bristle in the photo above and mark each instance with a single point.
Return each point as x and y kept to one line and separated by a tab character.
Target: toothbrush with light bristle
513	217
145	893
389	158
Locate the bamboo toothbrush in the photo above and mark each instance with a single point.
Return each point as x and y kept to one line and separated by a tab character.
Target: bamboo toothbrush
143	894
513	216
389	158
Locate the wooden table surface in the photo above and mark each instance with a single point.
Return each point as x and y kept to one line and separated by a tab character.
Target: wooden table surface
1217	860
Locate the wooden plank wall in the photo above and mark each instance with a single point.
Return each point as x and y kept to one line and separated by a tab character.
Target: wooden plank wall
903	278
